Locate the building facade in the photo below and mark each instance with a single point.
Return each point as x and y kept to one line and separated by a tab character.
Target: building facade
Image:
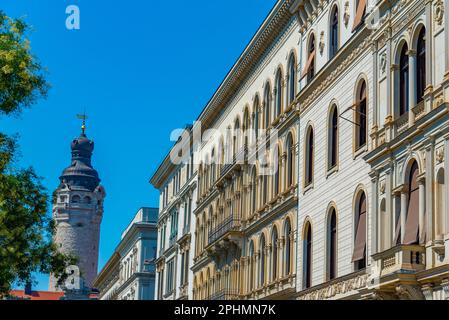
324	174
78	212
130	272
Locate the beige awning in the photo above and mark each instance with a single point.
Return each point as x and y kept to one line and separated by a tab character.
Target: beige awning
359	14
412	224
360	239
308	64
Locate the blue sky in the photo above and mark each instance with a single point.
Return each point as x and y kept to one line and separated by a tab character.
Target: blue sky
141	68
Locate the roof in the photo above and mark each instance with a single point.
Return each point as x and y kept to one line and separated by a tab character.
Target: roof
37	295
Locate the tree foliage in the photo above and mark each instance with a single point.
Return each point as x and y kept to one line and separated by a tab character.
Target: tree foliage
26	231
22	78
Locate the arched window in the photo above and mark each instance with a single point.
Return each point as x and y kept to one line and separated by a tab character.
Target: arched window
441	205
311	61
333	138
251	266
309	157
254	191
277	163
288	247
290	160
256	116
275	259
412	221
403	81
76	199
267	101
213	170
291	79
246	124
222	153
307	259
236	137
360	114
278	92
262	261
359	255
87	200
421	66
334	33
332	245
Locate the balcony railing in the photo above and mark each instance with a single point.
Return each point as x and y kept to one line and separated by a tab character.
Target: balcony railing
400	259
172	241
230	224
225	294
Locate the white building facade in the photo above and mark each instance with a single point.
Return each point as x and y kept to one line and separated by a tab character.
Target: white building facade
130	272
356	94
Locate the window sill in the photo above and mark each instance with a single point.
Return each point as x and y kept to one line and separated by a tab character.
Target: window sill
331	171
307	188
360	151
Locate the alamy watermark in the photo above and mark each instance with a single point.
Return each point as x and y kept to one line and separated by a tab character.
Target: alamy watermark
73	20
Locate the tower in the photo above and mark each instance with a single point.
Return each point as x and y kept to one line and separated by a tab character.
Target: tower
78	210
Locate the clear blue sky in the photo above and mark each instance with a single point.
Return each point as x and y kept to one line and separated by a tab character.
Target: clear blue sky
142	68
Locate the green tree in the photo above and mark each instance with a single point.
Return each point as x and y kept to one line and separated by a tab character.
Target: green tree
26	231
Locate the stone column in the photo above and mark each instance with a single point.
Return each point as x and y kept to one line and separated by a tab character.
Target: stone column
430	192
374	227
412	86
429	45
422	209
403	211
446	214
446	34
375	86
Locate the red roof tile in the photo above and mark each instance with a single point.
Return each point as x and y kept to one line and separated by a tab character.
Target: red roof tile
37	295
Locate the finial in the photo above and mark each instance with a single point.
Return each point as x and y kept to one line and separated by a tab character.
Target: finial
83	117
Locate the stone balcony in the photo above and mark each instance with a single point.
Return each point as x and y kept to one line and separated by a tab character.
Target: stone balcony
397	265
225	237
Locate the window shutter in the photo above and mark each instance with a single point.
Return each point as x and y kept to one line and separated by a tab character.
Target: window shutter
308	64
412	224
360	240
359	14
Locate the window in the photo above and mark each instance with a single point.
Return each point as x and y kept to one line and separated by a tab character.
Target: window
412	221
213	173
359	255
76	199
421	66
332	245
288	247
360	115
251	266
334	33
441	205
278	92
290	160
262	261
236	137
309	157
309	69
277	167
291	79
274	243
307	282
267	105
254	191
256	116
246	132
403	81
333	138
170	284
161	285
360	14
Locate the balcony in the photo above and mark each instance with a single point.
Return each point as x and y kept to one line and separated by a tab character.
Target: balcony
225	294
396	265
172	241
224	238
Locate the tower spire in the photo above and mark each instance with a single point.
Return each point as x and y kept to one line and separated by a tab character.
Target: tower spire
83	117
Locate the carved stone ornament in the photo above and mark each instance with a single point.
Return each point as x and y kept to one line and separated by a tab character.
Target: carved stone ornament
382	187
322	44
440	155
439	12
346	14
383	63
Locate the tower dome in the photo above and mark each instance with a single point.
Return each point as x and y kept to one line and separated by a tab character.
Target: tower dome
80	174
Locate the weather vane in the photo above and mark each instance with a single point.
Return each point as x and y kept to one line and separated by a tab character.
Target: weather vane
84	118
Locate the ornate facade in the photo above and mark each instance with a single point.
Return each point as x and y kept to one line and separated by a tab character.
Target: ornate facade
324	174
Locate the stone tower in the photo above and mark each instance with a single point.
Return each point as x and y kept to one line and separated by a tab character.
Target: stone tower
78	211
